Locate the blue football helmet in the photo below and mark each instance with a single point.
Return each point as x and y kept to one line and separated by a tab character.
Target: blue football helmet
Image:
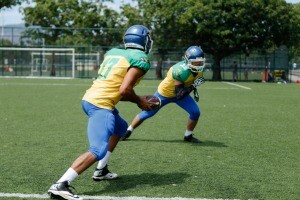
138	37
194	58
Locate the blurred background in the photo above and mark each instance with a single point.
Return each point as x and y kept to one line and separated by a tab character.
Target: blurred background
69	38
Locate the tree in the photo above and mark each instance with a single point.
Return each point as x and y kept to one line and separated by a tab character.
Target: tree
163	17
294	43
10	3
68	20
220	27
130	15
73	22
227	27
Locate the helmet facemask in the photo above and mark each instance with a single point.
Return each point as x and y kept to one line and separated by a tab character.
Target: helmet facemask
195	65
149	43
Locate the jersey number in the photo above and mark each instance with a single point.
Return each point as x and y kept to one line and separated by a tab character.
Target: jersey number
106	67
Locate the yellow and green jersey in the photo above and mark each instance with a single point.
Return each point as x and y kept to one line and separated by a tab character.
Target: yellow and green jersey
104	93
179	72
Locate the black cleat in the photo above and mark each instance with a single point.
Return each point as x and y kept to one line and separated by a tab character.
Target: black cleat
62	191
191	139
104	174
126	136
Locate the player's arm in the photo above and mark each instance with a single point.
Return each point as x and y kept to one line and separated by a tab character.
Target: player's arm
182	91
127	92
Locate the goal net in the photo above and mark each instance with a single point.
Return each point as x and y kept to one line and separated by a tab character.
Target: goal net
52	62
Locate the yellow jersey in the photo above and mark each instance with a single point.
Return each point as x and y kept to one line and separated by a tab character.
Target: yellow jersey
104	93
179	72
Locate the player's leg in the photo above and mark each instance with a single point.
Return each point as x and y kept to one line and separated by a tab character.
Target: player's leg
100	127
190	106
101	171
142	116
134	124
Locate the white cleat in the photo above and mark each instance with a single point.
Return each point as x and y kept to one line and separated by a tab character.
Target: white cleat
62	191
104	174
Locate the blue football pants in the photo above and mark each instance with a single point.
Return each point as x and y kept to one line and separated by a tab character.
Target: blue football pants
187	103
102	123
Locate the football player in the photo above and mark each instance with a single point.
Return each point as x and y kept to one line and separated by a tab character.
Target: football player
120	71
182	79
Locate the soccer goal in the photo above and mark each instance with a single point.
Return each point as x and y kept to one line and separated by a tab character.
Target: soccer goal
55	62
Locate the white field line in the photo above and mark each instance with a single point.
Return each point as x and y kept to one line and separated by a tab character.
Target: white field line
237	85
45	196
139	86
41	84
89	84
36	77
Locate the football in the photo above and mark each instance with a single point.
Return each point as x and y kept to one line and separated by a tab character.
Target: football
155	100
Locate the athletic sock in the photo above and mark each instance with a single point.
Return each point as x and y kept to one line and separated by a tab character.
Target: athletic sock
187	133
103	162
130	128
69	176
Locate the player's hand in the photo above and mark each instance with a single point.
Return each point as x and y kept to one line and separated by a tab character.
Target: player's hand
144	104
196	95
198	81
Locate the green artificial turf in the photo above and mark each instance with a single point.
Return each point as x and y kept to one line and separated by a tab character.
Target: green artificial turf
250	149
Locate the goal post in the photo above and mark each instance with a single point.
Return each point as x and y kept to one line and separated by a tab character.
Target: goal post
31	61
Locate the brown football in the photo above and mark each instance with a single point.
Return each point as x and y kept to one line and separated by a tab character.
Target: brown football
155	100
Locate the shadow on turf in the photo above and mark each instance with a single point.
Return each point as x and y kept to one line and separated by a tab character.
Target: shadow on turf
206	143
126	182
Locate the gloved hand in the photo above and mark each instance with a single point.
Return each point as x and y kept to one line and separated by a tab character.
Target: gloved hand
198	81
196	95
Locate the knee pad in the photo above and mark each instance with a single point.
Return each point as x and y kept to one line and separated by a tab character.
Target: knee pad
147	114
195	115
120	127
100	151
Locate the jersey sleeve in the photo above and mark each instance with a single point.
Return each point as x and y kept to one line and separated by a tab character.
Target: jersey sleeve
179	74
140	60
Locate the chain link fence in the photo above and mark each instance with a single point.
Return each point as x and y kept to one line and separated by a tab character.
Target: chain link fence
31	52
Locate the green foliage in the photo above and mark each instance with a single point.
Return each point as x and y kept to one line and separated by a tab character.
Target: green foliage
130	15
221	27
295	25
5	42
294	43
66	18
10	3
250	146
163	17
